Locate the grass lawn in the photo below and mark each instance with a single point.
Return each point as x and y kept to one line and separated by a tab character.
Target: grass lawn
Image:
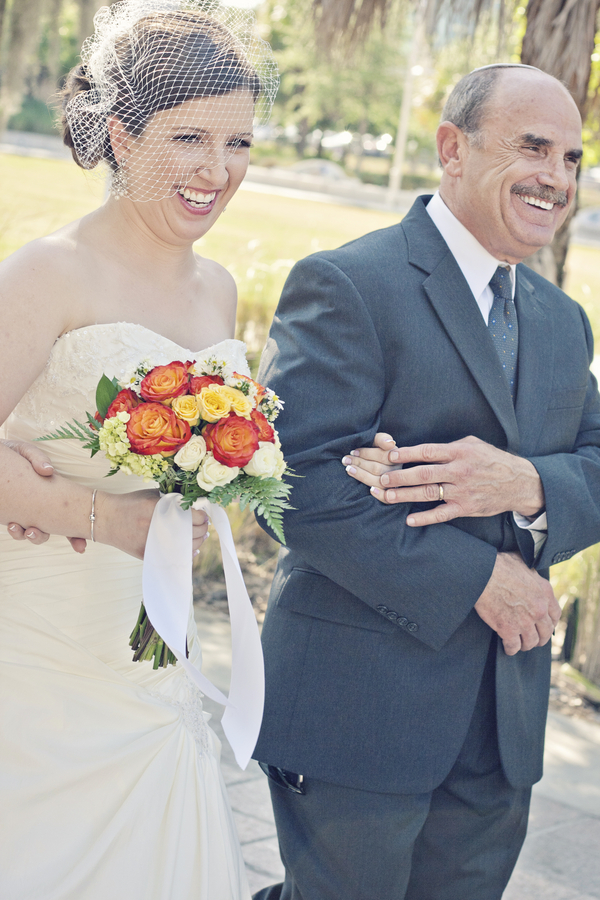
258	239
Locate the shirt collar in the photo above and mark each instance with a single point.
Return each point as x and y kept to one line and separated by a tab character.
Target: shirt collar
474	261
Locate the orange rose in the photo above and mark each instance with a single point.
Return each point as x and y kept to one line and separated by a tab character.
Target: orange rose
232	440
260	390
124	401
154	428
266	432
163	383
200	381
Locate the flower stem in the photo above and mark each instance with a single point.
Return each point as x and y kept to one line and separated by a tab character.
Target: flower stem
148	644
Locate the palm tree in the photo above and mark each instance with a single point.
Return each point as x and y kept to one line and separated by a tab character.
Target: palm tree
559	38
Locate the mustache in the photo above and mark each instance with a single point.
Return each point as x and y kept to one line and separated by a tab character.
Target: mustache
542	192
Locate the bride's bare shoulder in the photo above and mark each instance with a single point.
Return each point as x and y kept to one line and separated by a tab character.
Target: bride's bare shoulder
43	271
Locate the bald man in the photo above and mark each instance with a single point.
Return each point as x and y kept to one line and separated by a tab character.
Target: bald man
407	641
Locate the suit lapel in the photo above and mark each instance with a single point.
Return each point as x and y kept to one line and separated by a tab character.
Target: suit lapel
536	361
457	309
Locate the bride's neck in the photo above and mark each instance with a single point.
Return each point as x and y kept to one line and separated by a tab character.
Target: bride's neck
121	229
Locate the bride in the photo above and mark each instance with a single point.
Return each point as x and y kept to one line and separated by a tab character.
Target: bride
109	774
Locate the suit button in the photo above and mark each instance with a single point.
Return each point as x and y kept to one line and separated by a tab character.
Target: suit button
382	609
412	626
402	621
391	615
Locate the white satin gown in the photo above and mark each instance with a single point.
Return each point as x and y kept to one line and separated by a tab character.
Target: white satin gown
109	775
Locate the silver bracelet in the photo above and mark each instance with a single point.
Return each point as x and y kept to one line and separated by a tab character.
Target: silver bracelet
93	515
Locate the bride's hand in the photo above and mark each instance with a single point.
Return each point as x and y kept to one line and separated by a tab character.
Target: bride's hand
368	464
41	464
123	521
117	530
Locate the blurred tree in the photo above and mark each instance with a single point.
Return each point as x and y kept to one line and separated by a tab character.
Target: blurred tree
359	94
87	11
22	39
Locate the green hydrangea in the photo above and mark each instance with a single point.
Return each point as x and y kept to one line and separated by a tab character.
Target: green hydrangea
115	445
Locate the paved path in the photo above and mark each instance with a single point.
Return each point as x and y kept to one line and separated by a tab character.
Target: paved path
561	856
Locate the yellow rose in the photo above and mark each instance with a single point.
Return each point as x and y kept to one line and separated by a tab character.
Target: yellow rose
186	408
240	404
213	405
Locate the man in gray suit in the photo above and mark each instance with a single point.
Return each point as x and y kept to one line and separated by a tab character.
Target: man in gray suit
407	644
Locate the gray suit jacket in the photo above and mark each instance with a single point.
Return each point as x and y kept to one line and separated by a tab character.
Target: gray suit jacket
374	653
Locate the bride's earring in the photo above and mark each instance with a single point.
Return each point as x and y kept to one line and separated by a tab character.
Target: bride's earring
118	187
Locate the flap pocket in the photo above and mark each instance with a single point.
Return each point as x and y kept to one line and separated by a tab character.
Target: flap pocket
571	398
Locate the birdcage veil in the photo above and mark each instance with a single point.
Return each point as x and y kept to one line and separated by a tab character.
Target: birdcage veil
167	87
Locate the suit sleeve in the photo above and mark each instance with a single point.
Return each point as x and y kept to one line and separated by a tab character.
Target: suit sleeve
324	359
572	481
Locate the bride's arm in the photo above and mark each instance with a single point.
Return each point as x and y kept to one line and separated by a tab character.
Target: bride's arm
41	464
33	313
60	506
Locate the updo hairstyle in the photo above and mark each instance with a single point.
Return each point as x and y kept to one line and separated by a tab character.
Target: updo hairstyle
164	60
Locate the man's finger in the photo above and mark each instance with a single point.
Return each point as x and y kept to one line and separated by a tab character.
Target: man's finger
511	645
417	475
435	453
442	513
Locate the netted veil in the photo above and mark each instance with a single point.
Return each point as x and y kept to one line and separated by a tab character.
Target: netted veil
167	87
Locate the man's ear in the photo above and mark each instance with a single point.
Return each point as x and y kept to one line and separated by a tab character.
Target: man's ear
120	139
451	145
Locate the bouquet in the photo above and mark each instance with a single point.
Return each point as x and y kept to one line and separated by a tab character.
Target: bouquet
198	428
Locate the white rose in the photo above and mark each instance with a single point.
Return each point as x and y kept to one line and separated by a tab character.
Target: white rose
213	474
191	454
267	462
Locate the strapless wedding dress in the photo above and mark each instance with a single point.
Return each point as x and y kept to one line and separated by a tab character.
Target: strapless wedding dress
109	774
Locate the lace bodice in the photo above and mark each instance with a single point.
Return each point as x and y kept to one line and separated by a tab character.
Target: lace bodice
66	388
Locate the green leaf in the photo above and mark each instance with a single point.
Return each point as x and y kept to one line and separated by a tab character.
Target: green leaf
106	392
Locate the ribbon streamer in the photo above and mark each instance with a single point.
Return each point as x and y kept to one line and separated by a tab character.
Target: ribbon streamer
167	591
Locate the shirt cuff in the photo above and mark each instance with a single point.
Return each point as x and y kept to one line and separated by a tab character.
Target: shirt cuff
537	527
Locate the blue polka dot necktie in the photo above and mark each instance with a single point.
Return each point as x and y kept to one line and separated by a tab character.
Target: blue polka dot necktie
503	325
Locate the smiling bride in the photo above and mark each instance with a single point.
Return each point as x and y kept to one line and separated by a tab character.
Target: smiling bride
109	775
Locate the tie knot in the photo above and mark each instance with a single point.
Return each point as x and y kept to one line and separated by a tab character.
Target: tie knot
500	283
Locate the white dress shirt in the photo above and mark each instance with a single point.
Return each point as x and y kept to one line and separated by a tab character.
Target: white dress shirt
478	267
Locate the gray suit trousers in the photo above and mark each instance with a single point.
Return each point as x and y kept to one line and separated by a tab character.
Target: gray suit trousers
457	842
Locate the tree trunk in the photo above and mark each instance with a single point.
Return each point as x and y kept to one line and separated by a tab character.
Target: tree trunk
2	15
24	29
560	38
87	11
51	72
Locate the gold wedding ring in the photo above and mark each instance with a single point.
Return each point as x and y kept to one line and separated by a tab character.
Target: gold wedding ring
441	497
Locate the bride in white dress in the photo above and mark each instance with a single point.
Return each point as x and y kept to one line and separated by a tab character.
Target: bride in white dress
109	775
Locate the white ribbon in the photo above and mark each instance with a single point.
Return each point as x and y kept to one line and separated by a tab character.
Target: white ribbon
167	592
